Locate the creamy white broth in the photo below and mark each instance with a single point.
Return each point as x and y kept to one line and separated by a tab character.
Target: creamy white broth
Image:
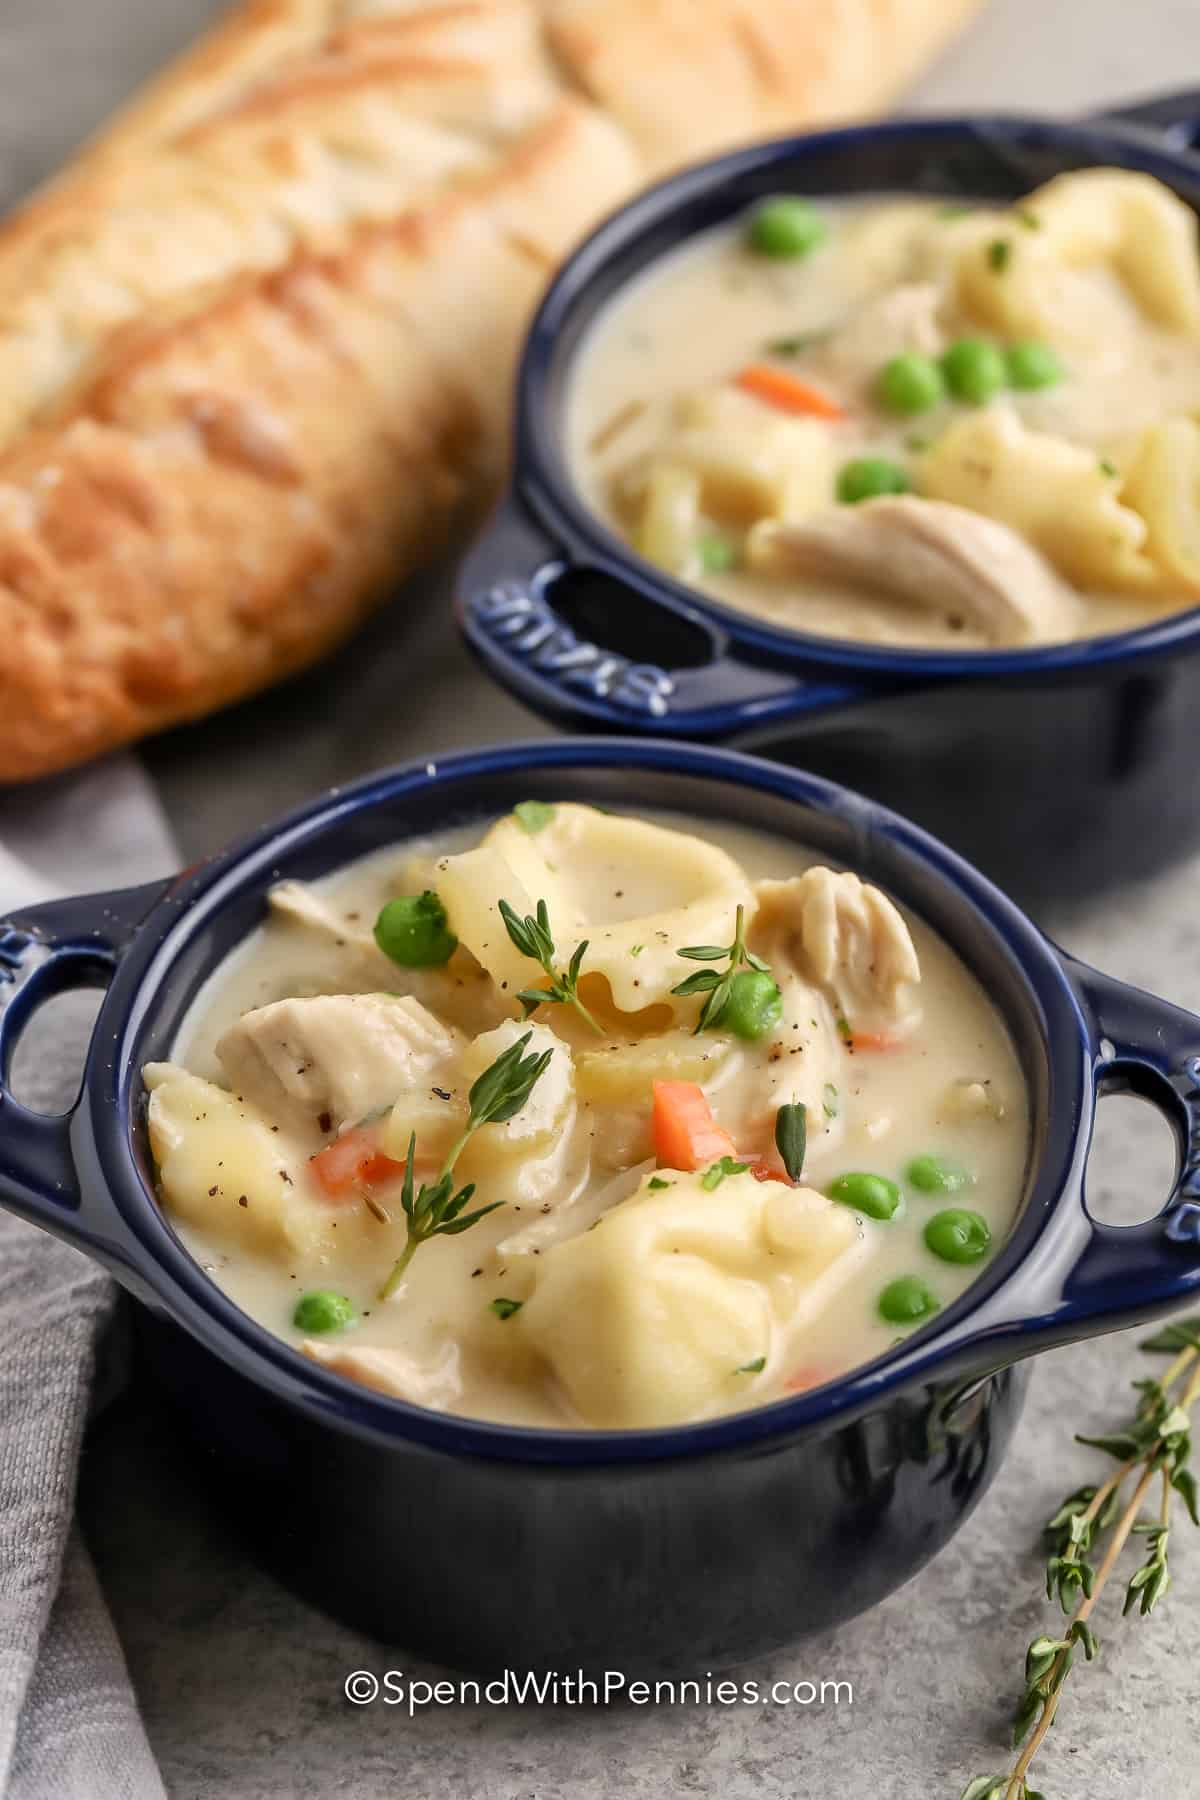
952	1086
655	390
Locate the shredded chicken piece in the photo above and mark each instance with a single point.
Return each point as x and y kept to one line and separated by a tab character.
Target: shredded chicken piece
852	942
930	554
359	960
901	320
335	1056
436	1383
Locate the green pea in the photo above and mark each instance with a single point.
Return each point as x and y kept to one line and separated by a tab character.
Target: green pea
1032	365
937	1175
323	1310
974	370
867	477
716	554
907	1300
873	1195
533	815
958	1236
910	384
785	226
754	1005
415	932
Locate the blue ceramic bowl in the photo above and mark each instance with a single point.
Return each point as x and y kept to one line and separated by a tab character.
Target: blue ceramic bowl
677	1549
1057	770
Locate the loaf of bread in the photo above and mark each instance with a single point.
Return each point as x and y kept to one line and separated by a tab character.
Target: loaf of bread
256	342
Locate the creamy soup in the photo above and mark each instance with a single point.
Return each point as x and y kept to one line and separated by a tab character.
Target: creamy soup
910	423
769	1124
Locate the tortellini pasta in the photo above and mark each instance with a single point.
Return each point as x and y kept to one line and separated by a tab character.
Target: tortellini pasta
728	460
523	1160
223	1167
1163	485
620	1074
1059	496
1116	218
672	1302
634	890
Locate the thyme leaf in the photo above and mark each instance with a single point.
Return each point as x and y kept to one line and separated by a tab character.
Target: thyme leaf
716	985
533	938
436	1209
1151	1452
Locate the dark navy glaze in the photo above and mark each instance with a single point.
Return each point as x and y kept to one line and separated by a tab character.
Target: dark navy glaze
685	1548
1057	770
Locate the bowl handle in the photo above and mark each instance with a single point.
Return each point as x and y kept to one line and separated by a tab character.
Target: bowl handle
664	667
1084	1277
46	950
1146	1046
1175	117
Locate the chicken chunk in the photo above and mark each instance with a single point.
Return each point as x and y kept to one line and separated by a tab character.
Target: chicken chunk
346	952
335	1057
848	938
930	554
341	956
897	322
436	1383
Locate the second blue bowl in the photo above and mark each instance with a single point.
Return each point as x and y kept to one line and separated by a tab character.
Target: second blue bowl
1058	770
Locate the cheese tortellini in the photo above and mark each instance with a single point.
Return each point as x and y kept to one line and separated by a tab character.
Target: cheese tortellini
633	890
1060	497
222	1165
1163	487
1113	218
729	462
673	1301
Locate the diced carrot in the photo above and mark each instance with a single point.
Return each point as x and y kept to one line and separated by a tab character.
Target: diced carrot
873	1040
352	1162
378	1169
787	392
811	1375
686	1136
764	1172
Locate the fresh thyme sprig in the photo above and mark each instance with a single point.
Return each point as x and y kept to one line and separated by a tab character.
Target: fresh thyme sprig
1153	1448
436	1210
714	986
532	937
500	1092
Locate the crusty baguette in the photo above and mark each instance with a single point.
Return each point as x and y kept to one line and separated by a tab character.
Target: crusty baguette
751	69
256	343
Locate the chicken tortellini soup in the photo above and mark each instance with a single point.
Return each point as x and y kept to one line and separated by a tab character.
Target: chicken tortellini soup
590	1121
911	423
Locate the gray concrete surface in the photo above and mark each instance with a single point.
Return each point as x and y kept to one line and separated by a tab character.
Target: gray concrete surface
240	1683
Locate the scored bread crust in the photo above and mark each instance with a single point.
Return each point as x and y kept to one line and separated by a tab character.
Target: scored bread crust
256	343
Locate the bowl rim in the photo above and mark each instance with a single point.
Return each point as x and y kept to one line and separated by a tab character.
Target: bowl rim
165	1273
541	472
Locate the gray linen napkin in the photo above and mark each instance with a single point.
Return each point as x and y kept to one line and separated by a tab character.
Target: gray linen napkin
69	1723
